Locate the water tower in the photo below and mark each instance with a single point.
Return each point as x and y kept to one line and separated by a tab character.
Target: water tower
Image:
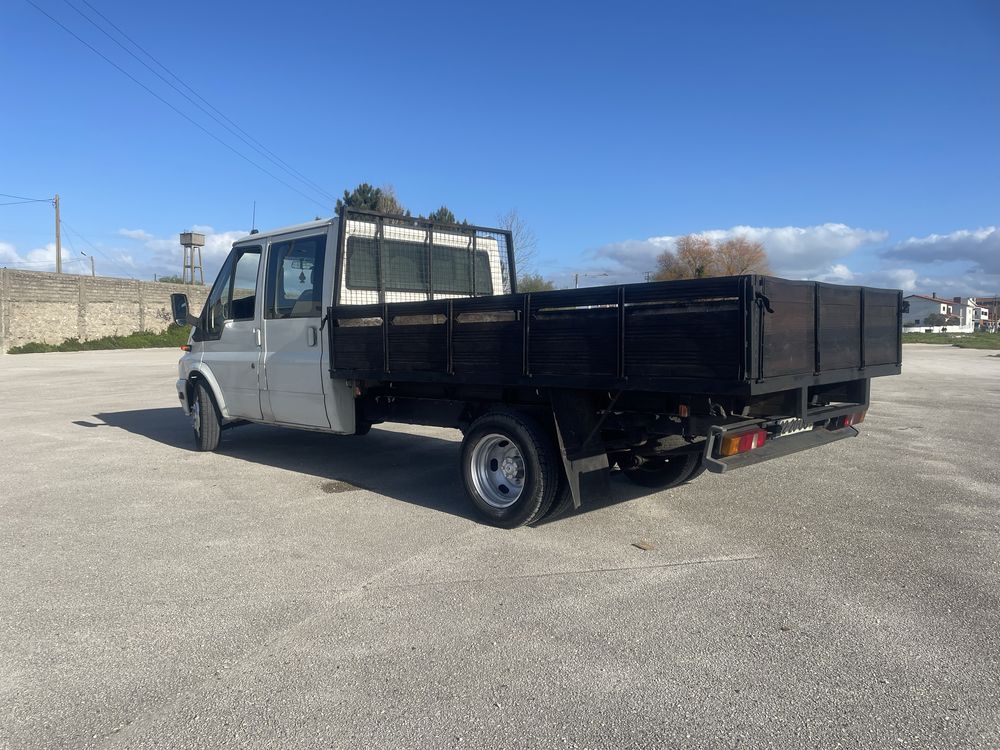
192	242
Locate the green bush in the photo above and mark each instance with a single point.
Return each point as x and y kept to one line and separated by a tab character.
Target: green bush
174	335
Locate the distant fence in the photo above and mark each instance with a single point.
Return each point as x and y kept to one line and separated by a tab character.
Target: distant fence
52	307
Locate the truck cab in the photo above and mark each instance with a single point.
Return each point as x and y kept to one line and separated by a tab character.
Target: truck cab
258	346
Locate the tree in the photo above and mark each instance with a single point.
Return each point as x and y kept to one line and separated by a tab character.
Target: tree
533	282
388	202
443	215
525	242
382	199
936	319
693	258
739	255
696	257
170	279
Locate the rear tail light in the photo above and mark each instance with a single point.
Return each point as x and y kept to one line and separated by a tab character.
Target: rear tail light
742	442
185	347
848	420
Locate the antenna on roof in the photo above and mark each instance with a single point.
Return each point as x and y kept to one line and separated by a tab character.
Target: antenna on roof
253	219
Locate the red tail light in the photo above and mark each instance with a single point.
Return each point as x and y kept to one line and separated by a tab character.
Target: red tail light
848	420
742	442
185	347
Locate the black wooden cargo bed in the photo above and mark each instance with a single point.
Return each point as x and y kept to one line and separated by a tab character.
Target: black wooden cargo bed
733	335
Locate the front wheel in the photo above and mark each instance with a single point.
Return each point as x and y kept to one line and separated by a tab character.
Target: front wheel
510	468
205	420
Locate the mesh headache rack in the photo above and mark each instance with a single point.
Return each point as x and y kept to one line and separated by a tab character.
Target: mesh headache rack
391	258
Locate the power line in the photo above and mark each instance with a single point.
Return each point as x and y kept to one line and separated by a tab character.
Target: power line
26	200
150	91
209	104
97	250
221	119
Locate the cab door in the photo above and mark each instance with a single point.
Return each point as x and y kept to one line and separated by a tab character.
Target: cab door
231	348
293	374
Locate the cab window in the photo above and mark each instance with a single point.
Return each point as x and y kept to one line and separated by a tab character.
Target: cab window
295	278
234	294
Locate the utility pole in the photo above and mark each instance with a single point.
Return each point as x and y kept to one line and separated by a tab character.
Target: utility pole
55	202
91	258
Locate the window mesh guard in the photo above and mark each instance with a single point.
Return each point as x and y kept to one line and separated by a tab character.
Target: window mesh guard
387	258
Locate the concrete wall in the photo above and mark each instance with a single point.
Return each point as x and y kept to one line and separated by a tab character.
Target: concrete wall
51	307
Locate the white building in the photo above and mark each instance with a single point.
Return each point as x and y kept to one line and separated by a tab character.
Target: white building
974	314
959	316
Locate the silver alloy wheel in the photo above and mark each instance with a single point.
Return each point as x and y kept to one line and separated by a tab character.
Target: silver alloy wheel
196	415
497	470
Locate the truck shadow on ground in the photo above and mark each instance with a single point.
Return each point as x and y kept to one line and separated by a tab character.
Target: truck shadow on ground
411	467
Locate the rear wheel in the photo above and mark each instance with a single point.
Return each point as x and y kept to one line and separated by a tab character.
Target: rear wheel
510	468
663	472
562	504
205	419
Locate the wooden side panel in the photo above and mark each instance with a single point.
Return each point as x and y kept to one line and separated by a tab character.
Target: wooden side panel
882	326
574	332
839	326
486	337
788	334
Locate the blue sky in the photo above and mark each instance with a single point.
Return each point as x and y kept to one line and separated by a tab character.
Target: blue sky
858	141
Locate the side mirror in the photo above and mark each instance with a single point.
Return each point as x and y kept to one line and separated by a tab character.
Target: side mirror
179	309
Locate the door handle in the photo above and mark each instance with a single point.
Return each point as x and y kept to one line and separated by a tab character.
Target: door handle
256	334
311	336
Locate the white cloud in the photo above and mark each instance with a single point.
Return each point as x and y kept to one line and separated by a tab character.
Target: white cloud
912	280
163	255
135	234
142	255
167	253
980	247
838	273
8	253
42	259
792	251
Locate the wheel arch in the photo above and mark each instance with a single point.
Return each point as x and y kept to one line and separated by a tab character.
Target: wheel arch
203	374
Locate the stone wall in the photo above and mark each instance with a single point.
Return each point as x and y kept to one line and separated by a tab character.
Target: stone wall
52	307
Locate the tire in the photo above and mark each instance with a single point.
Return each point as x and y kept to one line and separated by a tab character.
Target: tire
664	473
698	470
205	419
510	469
562	504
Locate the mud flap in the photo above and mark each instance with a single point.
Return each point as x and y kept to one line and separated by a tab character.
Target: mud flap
584	458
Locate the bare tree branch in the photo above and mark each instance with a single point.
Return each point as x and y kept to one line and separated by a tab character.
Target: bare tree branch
525	242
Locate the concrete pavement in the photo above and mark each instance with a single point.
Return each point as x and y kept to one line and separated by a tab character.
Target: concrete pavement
303	590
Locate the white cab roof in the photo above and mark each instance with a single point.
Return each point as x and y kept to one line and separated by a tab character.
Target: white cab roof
287	230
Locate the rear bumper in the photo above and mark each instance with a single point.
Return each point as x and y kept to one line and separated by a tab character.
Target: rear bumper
775	448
